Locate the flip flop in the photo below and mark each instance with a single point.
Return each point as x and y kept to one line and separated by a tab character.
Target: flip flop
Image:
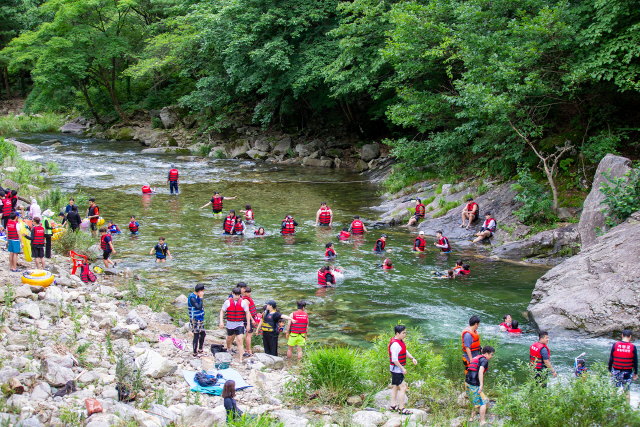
404	411
393	408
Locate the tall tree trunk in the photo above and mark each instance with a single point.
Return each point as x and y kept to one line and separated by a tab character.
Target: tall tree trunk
85	92
106	80
23	91
6	82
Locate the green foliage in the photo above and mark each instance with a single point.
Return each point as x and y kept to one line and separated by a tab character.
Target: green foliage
621	196
156	123
204	150
260	421
156	299
45	122
26	172
590	400
78	241
8	151
53	199
537	203
482	189
403	176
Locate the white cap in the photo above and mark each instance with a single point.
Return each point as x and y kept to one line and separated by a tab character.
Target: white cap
47	213
421	233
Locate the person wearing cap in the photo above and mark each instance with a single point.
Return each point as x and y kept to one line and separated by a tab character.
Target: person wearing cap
269	325
419	215
419	244
469	212
48	231
195	304
380	244
238	314
172	179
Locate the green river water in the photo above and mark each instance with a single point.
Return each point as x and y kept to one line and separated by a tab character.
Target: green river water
366	302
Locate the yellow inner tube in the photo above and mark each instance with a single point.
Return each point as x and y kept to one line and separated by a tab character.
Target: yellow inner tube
58	234
100	221
38	278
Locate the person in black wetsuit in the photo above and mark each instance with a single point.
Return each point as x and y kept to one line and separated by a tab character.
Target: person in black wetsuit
380	244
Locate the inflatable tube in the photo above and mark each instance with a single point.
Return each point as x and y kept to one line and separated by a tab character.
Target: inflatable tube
38	278
59	234
26	243
84	225
100	221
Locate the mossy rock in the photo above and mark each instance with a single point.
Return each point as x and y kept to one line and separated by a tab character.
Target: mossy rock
333	152
180	151
124	134
172	142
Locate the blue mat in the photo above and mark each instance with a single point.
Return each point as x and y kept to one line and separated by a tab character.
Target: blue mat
227	374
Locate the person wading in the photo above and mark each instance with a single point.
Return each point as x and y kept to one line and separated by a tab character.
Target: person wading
470	341
539	354
324	216
623	362
216	202
419	243
398	354
474	382
172	179
357	226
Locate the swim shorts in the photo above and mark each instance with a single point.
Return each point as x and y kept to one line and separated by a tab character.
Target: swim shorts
297	339
94	226
622	378
237	331
248	328
106	254
396	378
14	246
477	398
37	252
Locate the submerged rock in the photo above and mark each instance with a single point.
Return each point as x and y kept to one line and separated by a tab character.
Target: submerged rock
597	291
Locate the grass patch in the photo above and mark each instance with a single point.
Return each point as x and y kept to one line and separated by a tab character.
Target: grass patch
445	207
8	151
404	176
45	122
439	188
155	299
428	200
482	189
204	150
78	241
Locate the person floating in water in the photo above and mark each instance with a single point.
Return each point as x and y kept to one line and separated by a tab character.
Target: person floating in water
330	253
325	278
162	251
488	228
146	189
387	265
259	232
419	215
133	225
344	234
248	214
288	226
216	203
380	244
324	216
514	328
506	323
172	179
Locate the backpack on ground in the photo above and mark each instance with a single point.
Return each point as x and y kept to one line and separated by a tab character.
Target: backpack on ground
86	275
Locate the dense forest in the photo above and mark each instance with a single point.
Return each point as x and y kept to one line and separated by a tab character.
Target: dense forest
490	84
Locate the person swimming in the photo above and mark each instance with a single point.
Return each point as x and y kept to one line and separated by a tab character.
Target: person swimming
387	265
259	232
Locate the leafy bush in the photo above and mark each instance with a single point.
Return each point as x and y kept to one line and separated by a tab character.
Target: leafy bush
204	150
482	188
590	400
621	196
404	176
156	123
452	359
8	151
53	199
78	241
536	199
26	172
45	122
428	200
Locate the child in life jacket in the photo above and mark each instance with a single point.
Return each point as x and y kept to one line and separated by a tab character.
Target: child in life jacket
514	328
133	225
344	234
387	265
113	229
259	232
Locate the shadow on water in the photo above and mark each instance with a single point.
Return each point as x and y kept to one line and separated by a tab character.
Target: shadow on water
367	301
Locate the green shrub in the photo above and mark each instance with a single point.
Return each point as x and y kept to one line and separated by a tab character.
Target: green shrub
439	187
204	150
26	172
220	154
405	176
452	359
44	122
78	241
482	188
156	123
260	421
537	202
53	199
590	400
466	197
428	200
621	196
8	151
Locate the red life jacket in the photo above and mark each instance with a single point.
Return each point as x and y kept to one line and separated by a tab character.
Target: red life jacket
402	356
38	235
514	331
506	325
475	344
329	253
357	227
252	307
257	234
420	210
382	247
474	365
462	272
325	216
238	227
419	244
133	227
445	241
386	267
235	311
229	223
12	230
322	278
536	357
470	207
217	203
487	222
289	228
623	356
302	322
248	215
344	235
146	189
86	274
103	244
173	175
6	207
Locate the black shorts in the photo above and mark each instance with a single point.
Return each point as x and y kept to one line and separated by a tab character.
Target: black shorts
396	379
94	225
237	331
106	254
216	211
323	225
37	252
249	328
418	217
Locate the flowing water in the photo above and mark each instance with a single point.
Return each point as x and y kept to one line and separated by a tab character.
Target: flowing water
366	302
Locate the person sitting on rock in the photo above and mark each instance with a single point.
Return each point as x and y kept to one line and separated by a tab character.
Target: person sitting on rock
488	228
419	215
469	212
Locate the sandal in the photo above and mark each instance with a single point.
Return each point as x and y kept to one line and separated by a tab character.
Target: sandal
393	408
197	356
404	411
246	355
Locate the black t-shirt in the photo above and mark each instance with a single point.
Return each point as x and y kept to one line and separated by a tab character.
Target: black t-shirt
472	376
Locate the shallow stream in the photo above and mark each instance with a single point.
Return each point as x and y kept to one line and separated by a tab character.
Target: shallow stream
366	302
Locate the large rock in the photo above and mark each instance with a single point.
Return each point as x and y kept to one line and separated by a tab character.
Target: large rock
7	373
133	318
290	418
318	163
368	418
73	128
155	365
270	361
198	416
30	310
592	218
239	149
120	332
23	291
283	146
18	339
41	392
23	148
560	241
55	374
596	292
170	117
370	152
167	417
262	144
382	399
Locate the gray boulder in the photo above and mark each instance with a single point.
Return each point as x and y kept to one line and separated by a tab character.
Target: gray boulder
370	152
120	332
18	339
239	149
169	117
596	292
133	318
544	244
7	373
198	416
318	163
283	146
262	144
41	392
73	128
290	418
304	150
103	420
255	154
55	374
382	399
269	361
368	418
23	148
592	217
155	365
23	291
167	417
30	310
223	357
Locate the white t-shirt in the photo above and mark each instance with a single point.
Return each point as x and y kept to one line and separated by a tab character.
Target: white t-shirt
395	352
225	306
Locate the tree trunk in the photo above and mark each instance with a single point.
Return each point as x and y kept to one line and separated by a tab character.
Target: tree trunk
6	82
552	184
106	82
85	92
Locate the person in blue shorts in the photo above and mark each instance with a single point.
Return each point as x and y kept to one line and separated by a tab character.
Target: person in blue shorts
474	382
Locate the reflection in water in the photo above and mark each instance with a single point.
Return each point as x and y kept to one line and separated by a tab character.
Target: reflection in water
364	303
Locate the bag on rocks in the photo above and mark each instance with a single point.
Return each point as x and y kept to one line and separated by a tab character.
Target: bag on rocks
86	275
205	380
93	406
217	348
68	388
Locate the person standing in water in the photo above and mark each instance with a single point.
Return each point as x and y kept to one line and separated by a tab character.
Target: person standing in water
470	341
324	216
474	382
442	243
172	179
248	214
357	226
239	228
330	252
288	226
419	243
297	332
229	222
216	202
162	251
380	244
623	362
539	355
398	355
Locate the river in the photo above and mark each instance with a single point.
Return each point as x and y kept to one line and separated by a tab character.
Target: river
366	302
